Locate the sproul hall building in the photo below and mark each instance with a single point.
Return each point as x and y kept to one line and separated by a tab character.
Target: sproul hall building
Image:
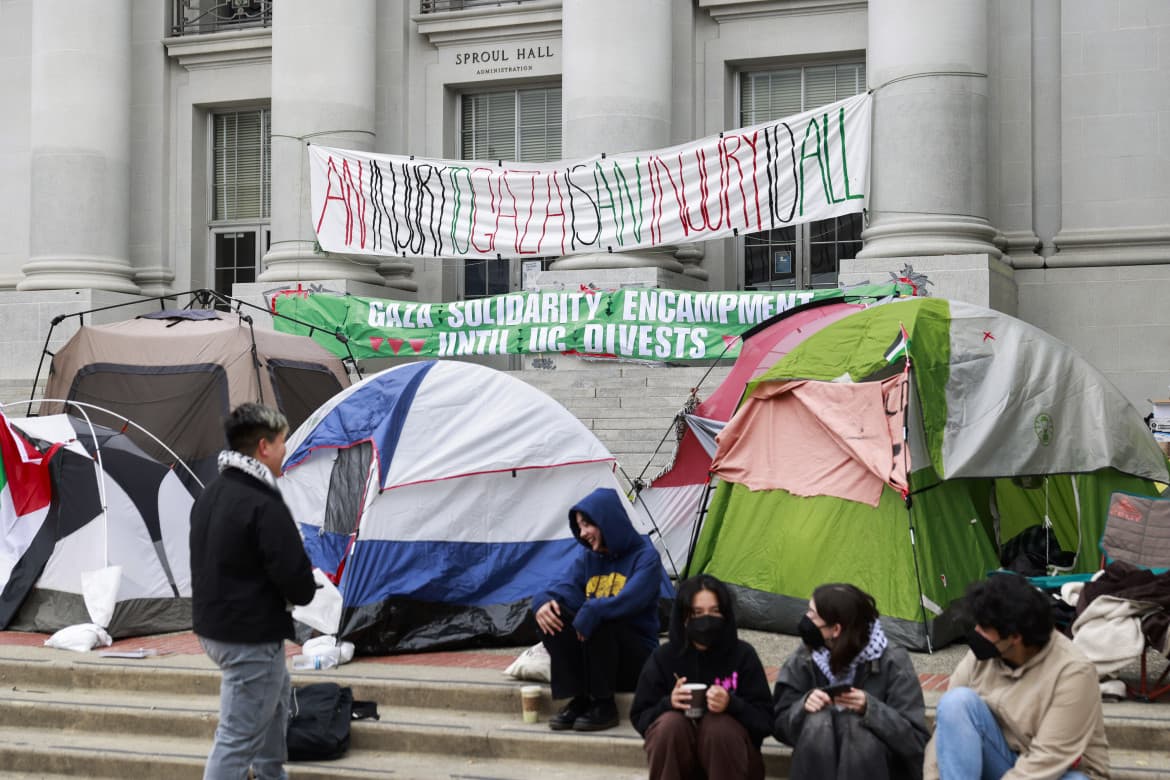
1020	148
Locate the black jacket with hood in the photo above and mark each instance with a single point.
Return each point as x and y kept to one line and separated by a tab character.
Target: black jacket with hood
622	583
728	658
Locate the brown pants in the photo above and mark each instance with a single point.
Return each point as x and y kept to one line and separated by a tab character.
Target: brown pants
715	746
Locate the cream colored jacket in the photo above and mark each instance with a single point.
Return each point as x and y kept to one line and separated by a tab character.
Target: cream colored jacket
1049	710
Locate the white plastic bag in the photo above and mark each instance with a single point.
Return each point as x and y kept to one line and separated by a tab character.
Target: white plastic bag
99	588
532	664
82	638
324	611
341	652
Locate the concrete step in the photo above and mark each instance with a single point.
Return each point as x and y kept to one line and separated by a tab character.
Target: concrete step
32	753
69	715
181	727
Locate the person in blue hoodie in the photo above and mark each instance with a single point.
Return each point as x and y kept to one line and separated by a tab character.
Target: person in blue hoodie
600	622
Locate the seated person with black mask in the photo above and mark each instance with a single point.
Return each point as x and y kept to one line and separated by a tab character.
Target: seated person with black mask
718	736
848	701
1023	703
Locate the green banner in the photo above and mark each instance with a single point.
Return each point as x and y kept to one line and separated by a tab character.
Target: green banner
631	323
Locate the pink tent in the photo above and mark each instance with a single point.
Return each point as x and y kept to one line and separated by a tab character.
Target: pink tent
673	498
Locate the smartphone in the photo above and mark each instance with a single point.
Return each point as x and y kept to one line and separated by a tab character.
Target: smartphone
836	690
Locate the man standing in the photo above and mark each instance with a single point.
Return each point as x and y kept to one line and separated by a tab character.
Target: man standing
601	620
247	564
1024	702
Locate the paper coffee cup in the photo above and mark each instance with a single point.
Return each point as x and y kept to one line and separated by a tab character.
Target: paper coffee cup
530	702
698	700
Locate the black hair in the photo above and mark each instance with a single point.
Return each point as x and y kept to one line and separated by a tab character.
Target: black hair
249	423
681	610
840	603
1011	605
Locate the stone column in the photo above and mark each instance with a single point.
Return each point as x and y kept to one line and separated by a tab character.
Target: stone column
79	232
323	92
1046	129
927	63
615	92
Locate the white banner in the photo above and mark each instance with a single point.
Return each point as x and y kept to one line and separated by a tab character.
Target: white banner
806	167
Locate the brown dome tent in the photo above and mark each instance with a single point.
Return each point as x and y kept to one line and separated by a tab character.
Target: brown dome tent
178	373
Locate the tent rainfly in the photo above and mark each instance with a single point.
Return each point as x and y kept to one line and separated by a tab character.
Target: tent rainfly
899	447
675	498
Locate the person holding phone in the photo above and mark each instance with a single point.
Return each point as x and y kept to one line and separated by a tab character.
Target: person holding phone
718	735
847	701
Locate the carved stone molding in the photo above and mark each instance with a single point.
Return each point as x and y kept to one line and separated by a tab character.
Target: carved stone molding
214	50
486	24
733	10
1111	246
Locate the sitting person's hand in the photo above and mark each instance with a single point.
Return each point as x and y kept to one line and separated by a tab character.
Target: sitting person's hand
816	700
680	698
852	700
548	617
717	698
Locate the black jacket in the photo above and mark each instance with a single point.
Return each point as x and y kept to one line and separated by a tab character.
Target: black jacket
247	562
751	702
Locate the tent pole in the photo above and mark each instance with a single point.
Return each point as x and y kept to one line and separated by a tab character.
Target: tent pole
637	487
918	575
700	513
32	392
255	355
906	496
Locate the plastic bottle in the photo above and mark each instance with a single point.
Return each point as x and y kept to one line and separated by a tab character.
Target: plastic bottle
301	663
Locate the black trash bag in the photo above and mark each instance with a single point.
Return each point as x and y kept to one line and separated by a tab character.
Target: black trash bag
1033	550
399	625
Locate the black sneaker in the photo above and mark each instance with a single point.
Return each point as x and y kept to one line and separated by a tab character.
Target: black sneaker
565	719
602	715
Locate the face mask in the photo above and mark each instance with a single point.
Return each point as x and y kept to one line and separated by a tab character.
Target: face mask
983	648
704	630
810	633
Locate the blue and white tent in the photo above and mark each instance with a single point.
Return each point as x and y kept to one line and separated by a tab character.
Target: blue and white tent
437	494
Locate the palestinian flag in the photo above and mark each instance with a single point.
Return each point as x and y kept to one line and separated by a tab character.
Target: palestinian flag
900	347
24	497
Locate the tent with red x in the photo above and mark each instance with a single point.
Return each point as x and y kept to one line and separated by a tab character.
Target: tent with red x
899	448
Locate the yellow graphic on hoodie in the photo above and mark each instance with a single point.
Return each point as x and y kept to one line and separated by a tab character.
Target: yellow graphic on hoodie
603	585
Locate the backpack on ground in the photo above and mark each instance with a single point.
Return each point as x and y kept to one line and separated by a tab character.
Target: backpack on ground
319	718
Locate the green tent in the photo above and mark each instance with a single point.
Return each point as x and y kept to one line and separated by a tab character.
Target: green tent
898	448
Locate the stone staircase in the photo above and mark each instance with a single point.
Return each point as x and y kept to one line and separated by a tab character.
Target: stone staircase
629	408
66	715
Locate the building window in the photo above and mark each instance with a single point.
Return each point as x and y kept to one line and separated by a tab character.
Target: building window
799	256
241	195
522	125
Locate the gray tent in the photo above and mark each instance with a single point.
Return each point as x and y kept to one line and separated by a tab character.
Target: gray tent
179	373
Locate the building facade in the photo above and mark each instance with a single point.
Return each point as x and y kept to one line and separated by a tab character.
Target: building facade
1020	151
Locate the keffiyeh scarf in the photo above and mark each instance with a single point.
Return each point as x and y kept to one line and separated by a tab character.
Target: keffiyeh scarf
230	459
871	652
